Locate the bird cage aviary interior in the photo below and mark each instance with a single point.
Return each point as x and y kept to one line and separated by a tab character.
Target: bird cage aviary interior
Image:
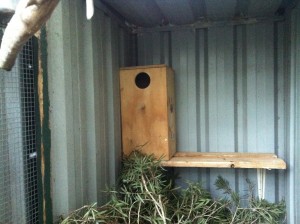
212	86
148	124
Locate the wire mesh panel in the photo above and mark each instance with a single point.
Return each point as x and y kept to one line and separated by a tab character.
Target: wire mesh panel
18	153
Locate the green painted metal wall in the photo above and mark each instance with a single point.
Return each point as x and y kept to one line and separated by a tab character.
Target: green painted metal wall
235	93
237	90
230	85
83	73
293	150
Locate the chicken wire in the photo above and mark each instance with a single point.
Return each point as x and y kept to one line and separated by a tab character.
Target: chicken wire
18	153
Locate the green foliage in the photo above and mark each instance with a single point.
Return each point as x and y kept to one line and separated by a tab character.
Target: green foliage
195	205
144	191
146	194
257	211
87	214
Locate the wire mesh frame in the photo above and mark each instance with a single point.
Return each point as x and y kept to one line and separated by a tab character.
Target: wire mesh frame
18	152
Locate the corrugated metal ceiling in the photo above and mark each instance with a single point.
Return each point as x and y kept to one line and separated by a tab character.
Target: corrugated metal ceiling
153	13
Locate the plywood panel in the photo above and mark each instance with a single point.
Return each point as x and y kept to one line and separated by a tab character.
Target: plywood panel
148	112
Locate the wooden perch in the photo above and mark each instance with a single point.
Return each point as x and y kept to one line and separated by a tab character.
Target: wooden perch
29	17
225	160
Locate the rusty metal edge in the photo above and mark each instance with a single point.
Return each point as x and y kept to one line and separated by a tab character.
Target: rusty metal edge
43	129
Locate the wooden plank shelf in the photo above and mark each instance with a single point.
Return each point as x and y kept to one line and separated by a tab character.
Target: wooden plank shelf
225	160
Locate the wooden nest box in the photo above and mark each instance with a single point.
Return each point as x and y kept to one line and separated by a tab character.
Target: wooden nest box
148	110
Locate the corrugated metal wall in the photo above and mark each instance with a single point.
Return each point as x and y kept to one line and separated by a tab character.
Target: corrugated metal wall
234	93
231	86
83	68
293	181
